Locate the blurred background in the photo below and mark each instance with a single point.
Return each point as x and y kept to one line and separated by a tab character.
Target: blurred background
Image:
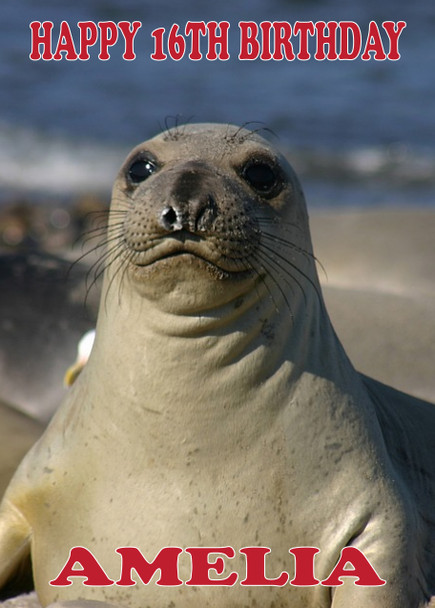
360	133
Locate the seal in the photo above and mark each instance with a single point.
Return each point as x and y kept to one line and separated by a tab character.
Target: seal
218	408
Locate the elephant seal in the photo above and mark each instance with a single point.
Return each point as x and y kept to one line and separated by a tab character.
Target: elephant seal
218	408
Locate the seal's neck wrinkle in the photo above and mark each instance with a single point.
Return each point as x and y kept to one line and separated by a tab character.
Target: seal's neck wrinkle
254	316
208	380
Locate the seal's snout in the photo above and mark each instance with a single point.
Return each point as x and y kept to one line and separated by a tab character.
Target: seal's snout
193	215
204	201
192	207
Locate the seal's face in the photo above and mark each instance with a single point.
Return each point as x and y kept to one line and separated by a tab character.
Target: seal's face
199	203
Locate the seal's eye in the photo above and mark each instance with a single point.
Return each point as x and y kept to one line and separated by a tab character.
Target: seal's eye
263	177
140	170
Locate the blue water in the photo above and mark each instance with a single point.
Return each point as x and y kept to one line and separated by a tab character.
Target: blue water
360	133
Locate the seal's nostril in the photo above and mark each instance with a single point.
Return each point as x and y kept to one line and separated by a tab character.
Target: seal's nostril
169	218
204	212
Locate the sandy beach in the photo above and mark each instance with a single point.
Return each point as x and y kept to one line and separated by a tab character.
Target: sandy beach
380	291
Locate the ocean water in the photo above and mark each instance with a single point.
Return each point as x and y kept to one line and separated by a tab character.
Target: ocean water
360	133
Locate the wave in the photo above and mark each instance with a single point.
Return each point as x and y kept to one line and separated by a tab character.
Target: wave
32	162
35	164
395	164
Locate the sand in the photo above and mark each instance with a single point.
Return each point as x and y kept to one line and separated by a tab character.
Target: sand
380	291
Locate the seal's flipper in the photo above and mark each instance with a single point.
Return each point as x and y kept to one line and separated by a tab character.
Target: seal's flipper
407	425
15	568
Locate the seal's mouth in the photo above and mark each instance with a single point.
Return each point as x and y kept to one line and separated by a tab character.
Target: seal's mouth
192	250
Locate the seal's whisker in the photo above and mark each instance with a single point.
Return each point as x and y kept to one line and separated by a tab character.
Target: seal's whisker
116	252
105	236
110	248
294	267
250	132
279	268
92	250
124	207
84	237
173	133
103	213
124	256
306	253
246	263
276	239
104	216
100	231
293	247
263	280
103	243
128	257
280	223
106	242
100	265
266	263
262	129
271	255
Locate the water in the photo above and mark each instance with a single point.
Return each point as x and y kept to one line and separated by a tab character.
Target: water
360	133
